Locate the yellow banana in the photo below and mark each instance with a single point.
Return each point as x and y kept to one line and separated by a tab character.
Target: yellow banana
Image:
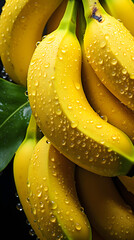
52	193
107	211
21	26
20	168
105	103
109	49
123	10
128	182
62	110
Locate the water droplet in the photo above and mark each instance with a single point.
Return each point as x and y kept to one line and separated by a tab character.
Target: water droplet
36	83
124	71
77	86
53	205
69	106
122	91
47	65
34	211
100	61
52	219
37	43
39	194
26	93
98	126
78	227
33	93
103	44
132	75
74	124
31	232
114	61
58	111
19	207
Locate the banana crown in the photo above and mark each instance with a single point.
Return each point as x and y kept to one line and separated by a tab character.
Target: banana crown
61	109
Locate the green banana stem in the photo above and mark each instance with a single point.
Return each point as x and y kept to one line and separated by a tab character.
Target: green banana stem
93	9
68	21
32	129
82	24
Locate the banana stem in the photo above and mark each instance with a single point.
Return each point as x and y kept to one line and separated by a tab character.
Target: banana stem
68	21
82	24
93	9
32	129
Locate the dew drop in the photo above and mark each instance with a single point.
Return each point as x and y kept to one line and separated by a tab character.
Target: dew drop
77	86
132	75
53	205
98	126
37	43
114	61
124	71
100	61
58	111
31	232
34	211
78	227
52	219
19	207
74	124
103	44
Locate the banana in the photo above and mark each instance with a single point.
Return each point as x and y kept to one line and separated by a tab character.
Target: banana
21	27
109	49
105	103
107	211
128	182
20	169
62	111
123	10
52	193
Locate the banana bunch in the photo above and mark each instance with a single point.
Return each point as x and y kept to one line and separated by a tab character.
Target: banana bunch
80	81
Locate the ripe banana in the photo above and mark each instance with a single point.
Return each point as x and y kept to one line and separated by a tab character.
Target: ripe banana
128	182
21	26
52	193
109	49
62	110
107	211
105	103
20	169
123	10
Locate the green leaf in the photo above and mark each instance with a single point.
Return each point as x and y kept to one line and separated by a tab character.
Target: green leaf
15	114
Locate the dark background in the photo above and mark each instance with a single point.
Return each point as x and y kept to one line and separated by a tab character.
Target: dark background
13	222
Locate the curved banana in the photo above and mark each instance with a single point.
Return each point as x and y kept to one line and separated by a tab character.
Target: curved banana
107	211
62	110
123	10
109	49
20	169
52	193
105	103
21	27
128	182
